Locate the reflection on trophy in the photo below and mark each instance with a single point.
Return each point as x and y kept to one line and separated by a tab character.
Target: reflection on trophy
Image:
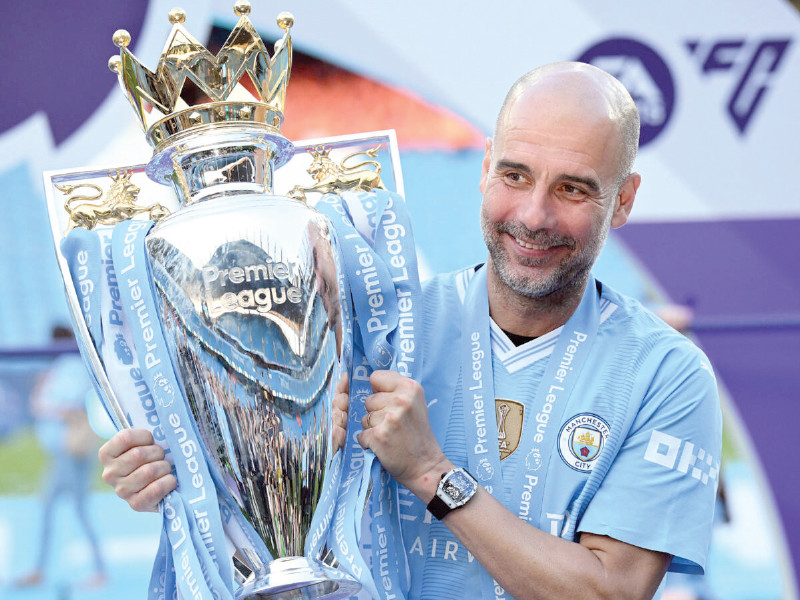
247	287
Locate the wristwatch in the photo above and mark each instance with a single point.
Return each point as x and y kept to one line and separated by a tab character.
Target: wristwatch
455	490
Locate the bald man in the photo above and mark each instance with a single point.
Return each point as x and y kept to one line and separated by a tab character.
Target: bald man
564	441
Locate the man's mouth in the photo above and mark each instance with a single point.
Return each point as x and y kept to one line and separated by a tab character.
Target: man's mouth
531	246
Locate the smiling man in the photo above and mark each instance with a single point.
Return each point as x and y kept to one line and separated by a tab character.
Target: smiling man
606	421
564	442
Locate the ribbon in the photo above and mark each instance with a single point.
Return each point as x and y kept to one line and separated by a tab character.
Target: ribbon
381	268
550	399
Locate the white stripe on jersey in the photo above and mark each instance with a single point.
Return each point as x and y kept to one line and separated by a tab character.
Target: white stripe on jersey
514	358
462	282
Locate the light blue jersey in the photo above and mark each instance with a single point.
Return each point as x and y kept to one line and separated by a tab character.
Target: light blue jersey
633	453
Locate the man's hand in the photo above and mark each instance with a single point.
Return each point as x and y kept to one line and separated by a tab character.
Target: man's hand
341	401
397	430
134	465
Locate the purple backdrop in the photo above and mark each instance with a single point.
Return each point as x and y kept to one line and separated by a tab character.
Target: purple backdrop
743	280
72	91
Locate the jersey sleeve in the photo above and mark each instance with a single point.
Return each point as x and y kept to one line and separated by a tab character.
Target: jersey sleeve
660	491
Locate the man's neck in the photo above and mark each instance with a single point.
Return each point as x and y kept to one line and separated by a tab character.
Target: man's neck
531	317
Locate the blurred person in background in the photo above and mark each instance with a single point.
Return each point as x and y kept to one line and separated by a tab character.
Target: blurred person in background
58	405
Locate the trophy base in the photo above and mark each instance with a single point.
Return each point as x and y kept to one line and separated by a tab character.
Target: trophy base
298	578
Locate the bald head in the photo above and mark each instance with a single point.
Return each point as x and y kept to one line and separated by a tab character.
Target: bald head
585	91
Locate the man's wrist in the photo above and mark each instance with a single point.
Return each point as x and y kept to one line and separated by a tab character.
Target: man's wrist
424	486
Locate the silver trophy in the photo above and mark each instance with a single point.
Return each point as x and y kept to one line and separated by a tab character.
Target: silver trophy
248	286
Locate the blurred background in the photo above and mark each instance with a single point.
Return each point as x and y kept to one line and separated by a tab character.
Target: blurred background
712	243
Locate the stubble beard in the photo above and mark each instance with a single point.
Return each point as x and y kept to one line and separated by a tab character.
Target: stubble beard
569	274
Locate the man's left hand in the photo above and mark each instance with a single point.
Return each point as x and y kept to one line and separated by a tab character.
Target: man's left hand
397	430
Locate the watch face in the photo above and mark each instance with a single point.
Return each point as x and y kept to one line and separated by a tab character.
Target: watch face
459	487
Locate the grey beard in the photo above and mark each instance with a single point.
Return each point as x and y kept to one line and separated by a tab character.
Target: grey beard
571	271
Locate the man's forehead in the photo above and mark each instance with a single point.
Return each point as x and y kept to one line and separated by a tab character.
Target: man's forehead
561	101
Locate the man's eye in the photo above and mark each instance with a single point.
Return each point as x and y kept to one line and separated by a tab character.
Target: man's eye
572	190
512	177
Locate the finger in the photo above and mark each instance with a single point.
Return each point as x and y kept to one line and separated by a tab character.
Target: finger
343	385
131	460
122	442
341	402
339	436
131	485
385	381
148	498
372	419
338	419
380	400
364	439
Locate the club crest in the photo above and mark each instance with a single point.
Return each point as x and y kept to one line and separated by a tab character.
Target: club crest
581	441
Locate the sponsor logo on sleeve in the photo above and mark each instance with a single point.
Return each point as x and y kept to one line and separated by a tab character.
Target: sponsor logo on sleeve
674	453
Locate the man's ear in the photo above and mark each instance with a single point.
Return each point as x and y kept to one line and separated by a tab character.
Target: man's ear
624	201
487	163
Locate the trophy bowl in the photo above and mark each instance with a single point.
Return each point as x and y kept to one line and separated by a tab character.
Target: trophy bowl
248	294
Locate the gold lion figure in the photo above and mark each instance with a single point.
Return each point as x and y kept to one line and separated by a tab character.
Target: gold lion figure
90	210
334	178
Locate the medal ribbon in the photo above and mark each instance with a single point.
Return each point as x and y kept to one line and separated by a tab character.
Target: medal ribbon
550	400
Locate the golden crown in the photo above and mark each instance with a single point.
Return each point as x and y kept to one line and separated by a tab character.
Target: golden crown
241	85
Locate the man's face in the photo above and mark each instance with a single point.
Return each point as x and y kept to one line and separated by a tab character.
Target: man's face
549	196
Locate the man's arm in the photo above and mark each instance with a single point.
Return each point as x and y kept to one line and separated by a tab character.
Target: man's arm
525	561
529	563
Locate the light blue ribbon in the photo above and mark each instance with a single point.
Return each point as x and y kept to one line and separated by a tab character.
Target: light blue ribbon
540	421
381	268
191	514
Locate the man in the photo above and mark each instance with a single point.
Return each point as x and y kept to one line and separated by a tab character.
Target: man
608	449
62	426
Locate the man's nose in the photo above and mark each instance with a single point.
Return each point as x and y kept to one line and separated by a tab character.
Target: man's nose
539	209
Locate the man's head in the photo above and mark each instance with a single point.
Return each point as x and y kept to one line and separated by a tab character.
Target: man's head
556	176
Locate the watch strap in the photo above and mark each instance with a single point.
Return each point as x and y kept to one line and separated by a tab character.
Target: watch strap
438	508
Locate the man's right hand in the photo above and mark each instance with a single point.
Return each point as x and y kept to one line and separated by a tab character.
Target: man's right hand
134	465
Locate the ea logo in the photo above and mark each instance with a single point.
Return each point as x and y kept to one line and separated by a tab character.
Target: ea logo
581	441
644	74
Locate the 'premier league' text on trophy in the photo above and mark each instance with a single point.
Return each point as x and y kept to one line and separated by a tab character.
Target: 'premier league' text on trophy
227	319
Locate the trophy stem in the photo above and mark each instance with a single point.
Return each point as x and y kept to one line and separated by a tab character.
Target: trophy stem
298	578
225	160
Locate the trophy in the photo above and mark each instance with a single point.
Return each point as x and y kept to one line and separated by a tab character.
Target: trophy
248	288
